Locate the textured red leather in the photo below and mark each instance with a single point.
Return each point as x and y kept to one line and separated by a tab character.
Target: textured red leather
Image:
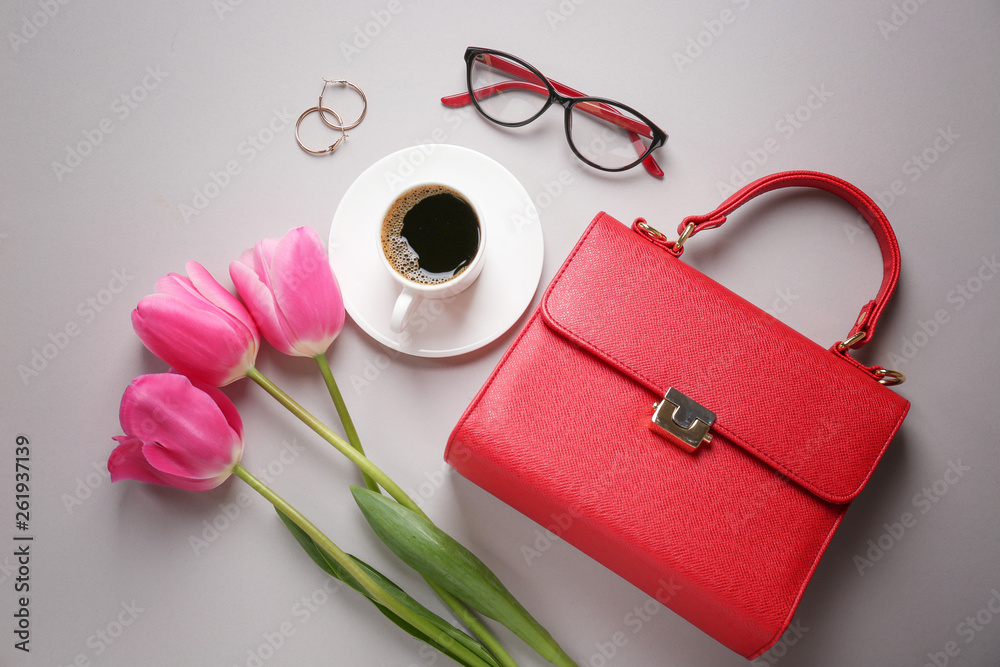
727	536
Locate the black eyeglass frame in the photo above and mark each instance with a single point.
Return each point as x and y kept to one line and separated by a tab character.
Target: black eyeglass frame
568	99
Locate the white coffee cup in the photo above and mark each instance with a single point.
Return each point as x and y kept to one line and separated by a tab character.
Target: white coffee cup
432	241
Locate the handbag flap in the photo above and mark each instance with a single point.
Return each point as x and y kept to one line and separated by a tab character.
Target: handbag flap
778	395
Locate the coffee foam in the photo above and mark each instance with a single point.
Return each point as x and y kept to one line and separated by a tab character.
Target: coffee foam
401	256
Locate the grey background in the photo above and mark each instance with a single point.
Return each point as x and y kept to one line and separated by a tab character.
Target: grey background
903	96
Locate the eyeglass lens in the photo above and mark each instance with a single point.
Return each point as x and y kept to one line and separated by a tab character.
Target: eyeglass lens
603	133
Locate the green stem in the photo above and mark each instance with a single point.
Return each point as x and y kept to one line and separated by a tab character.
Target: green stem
474	624
344	447
342	412
397	493
362	577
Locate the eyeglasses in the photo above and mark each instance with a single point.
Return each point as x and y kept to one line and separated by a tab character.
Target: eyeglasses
603	133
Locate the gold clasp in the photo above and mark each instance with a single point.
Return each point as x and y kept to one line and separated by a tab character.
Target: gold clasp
683	421
856	338
685	235
677	247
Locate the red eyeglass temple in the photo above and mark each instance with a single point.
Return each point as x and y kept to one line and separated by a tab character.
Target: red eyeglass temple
598	109
602	111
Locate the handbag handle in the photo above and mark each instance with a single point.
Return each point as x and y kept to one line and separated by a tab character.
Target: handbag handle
864	326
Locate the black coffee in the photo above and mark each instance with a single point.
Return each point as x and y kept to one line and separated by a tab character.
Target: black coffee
431	234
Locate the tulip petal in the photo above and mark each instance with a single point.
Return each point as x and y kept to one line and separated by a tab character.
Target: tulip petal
290	290
247	257
217	301
263	253
306	291
200	343
198	327
260	301
229	411
184	431
181	288
168	462
215	293
127	462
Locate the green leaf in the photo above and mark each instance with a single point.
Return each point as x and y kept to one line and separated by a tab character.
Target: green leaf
334	569
442	560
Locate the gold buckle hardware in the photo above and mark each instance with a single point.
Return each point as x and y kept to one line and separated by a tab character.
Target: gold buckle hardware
683	421
656	234
844	344
685	235
883	375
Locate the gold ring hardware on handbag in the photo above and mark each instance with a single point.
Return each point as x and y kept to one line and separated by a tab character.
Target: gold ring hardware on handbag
770	495
676	247
890	378
651	230
683	421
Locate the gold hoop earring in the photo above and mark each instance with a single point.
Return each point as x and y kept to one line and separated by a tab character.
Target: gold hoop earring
329	149
340	125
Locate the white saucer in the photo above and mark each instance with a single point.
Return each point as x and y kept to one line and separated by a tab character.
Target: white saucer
485	310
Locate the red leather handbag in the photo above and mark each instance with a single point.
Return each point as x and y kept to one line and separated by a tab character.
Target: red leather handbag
680	435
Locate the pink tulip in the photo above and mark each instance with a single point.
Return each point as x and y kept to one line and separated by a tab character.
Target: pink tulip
176	434
288	286
198	327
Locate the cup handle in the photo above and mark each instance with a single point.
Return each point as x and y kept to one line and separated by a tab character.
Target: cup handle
405	306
